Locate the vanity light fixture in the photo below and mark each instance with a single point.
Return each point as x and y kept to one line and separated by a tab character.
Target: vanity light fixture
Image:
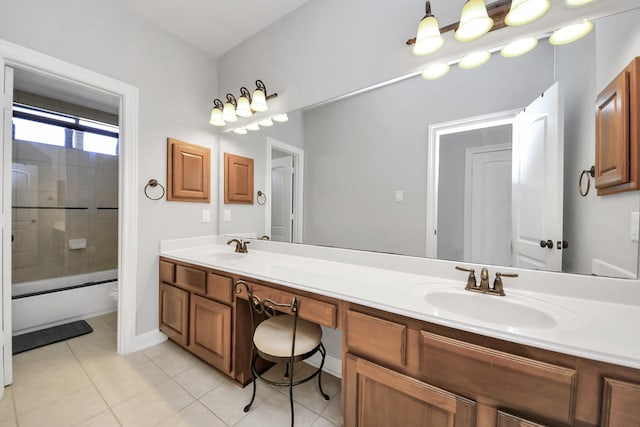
577	3
474	59
244	108
435	71
216	113
240	131
266	122
519	47
280	118
260	97
428	38
229	109
474	21
571	33
253	127
525	11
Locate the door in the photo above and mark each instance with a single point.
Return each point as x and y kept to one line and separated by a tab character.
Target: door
282	199
6	86
538	160
487	204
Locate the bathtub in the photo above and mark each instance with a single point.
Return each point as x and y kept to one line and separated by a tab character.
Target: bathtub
44	303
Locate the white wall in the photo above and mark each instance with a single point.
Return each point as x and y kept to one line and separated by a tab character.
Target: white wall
176	86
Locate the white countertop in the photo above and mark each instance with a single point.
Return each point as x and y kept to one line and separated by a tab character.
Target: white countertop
589	328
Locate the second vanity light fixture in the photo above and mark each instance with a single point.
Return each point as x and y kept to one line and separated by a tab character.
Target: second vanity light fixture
243	106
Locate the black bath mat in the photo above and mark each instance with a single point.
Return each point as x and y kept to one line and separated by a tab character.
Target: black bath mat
31	340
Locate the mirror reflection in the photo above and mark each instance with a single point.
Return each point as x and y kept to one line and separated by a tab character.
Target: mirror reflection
426	168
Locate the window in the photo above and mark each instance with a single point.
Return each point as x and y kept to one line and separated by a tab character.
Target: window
46	127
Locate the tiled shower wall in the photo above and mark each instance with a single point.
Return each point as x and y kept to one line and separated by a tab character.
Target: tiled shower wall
61	196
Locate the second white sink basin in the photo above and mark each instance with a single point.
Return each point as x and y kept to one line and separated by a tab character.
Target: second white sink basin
510	311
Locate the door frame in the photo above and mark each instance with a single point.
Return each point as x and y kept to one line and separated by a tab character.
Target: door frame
298	183
436	131
21	58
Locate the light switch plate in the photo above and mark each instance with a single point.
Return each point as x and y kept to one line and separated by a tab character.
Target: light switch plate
206	215
227	215
634	234
399	195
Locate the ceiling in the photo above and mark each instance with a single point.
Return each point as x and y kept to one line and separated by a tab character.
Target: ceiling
212	26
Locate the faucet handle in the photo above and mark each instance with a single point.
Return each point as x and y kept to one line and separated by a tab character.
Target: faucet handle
498	287
471	280
243	247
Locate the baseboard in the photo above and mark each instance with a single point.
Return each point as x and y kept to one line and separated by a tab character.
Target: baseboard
147	339
332	365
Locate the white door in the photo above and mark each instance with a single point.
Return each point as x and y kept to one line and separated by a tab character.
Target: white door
487	204
6	102
282	199
538	160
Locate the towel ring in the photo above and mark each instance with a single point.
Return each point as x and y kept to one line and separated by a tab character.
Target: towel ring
262	198
153	183
589	173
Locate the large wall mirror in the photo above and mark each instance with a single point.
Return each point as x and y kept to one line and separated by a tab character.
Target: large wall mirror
425	168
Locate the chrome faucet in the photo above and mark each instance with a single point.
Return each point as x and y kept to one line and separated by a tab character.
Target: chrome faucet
241	246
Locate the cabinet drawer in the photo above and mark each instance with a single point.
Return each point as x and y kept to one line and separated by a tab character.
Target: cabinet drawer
320	312
191	278
513	381
167	272
220	287
376	338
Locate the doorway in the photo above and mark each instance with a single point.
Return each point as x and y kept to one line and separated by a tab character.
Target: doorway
284	182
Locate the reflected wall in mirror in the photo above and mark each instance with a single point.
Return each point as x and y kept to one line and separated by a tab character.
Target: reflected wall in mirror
366	170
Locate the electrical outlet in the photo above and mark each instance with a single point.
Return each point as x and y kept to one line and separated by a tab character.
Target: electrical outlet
634	234
206	215
227	216
399	195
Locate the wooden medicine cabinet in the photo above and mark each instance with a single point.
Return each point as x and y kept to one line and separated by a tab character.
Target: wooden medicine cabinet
188	172
618	133
238	179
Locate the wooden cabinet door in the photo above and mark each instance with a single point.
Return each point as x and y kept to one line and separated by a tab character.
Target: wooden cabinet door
379	397
620	404
238	179
508	420
174	313
188	172
210	332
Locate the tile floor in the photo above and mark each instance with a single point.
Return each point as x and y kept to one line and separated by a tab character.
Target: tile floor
84	382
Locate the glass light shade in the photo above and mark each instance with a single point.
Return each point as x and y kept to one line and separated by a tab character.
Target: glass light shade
474	21
519	47
474	59
216	117
525	11
435	71
265	122
280	118
253	127
571	33
259	101
243	109
428	39
229	113
240	131
577	3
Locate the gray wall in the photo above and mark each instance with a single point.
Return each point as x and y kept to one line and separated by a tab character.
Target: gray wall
176	85
359	150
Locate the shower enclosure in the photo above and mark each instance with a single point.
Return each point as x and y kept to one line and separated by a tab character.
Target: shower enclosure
64	212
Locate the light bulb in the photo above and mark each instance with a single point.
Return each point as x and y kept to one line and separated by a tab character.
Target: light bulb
474	21
259	101
216	117
435	71
525	11
571	33
229	113
474	59
428	39
243	109
519	47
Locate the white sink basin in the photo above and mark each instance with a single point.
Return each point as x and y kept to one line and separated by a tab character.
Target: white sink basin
510	312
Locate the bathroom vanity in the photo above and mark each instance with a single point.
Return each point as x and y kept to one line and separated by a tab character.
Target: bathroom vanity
409	354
